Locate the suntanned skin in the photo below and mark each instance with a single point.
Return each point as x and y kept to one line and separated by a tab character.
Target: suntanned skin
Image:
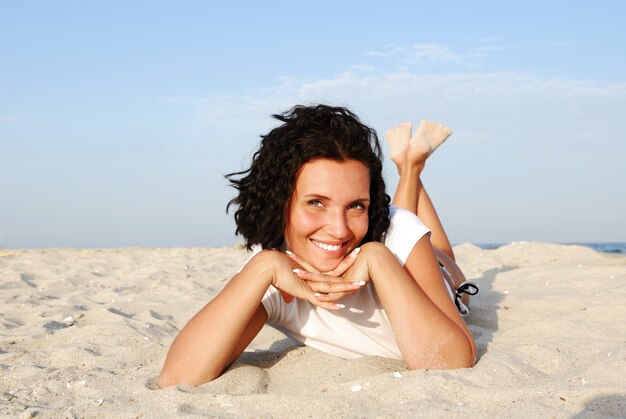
428	329
425	327
410	153
217	335
219	332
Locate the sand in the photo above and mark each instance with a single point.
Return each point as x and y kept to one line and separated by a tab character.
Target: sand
83	333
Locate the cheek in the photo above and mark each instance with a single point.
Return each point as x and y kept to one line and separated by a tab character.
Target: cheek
359	227
302	223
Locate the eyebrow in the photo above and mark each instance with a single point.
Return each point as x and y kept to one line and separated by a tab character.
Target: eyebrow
315	195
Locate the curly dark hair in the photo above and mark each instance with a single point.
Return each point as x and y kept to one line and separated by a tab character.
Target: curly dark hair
306	133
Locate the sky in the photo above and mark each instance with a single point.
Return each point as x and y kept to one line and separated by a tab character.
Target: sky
118	120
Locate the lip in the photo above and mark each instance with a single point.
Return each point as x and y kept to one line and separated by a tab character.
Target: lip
334	249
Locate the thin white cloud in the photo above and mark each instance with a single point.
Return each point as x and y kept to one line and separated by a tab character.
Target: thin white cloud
425	56
490	48
525	146
433	52
492	39
505	99
382	54
522	140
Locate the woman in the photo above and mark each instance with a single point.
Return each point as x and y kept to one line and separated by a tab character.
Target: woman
313	206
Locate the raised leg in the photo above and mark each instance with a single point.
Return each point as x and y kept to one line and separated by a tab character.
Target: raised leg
410	153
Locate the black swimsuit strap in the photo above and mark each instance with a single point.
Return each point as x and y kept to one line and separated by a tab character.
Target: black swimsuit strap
467	287
470	288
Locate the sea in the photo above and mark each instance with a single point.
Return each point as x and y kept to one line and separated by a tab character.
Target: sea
614	247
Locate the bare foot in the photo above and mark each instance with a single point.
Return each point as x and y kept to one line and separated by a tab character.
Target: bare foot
427	137
398	139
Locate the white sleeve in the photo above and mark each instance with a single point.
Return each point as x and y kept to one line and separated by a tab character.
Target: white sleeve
272	298
272	302
404	232
256	248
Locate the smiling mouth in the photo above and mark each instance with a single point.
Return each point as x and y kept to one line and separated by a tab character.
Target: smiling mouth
328	247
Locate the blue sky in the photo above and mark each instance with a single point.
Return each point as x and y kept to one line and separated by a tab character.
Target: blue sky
118	119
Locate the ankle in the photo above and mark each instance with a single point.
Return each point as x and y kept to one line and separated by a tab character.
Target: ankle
412	168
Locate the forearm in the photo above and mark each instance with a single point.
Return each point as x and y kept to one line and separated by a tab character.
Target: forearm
203	348
426	336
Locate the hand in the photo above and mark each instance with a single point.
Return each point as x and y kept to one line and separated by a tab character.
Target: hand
287	282
332	285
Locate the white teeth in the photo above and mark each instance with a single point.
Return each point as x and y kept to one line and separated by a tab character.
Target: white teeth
329	247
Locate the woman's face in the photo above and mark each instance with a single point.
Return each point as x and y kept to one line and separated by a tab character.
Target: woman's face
328	215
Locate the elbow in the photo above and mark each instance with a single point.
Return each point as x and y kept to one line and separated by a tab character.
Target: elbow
466	360
464	355
169	378
164	381
456	355
457	362
473	356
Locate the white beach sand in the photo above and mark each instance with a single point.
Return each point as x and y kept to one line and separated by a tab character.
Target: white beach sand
549	323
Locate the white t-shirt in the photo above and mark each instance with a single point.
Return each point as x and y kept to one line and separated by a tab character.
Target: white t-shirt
362	327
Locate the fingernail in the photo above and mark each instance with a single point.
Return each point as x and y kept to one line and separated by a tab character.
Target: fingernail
297	271
358	284
355	252
340	306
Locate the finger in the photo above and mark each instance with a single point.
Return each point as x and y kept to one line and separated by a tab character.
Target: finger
319	277
345	263
315	299
334	296
333	287
300	261
326	281
316	276
311	296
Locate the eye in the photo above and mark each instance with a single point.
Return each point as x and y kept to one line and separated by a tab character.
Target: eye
315	203
358	205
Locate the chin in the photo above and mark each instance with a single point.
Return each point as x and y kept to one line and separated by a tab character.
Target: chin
326	265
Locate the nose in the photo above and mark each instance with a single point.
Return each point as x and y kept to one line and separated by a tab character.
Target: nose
337	224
